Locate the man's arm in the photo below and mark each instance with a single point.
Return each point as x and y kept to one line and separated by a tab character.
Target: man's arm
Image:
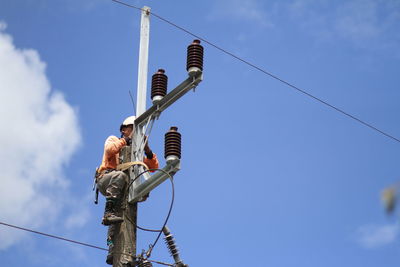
113	145
151	163
151	158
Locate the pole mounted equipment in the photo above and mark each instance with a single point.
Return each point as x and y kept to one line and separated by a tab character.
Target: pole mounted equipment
172	145
173	139
141	181
172	247
195	54
159	83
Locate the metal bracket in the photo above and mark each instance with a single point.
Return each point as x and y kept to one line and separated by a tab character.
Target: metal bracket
155	180
169	99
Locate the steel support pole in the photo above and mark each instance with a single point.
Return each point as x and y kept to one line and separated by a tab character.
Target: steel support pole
138	135
125	232
143	60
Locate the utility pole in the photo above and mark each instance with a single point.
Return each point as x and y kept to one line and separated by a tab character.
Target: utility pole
125	232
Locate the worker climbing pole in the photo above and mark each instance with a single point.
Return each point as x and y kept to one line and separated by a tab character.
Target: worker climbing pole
130	170
113	182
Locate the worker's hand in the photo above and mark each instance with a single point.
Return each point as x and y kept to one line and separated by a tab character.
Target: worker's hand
147	150
128	141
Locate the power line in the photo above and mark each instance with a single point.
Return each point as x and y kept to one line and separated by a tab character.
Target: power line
70	240
268	73
161	263
100	248
53	236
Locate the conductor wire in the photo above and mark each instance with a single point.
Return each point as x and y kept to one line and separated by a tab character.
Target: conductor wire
269	74
74	241
169	211
53	236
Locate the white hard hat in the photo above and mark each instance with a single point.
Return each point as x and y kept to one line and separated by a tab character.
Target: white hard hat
128	121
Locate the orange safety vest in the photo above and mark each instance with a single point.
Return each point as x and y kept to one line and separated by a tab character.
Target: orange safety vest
112	147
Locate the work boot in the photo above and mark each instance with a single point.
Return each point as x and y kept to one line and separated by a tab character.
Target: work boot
110	256
110	217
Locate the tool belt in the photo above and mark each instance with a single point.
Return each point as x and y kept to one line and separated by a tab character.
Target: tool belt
108	171
99	174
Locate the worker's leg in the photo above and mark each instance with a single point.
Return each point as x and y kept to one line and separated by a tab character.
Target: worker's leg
116	185
112	185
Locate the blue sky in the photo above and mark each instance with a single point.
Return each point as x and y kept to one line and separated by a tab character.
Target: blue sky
269	176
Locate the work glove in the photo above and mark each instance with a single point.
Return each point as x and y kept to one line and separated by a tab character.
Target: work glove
147	150
149	154
128	141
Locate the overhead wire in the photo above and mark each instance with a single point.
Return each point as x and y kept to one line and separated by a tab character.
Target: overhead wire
161	263
268	73
71	241
133	102
171	179
105	249
53	236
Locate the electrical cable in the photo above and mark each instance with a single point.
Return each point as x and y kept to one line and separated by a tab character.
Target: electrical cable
161	263
133	102
169	211
100	248
128	5
72	241
53	236
268	73
147	230
172	198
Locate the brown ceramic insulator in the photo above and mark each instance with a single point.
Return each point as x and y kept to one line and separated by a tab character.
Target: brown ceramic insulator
170	241
195	55
172	144
159	82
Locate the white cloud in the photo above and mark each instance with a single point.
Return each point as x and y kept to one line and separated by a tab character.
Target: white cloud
369	24
3	25
374	236
358	20
242	11
39	133
79	217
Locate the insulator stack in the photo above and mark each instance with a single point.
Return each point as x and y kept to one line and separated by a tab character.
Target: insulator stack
170	241
194	61
172	144
145	263
173	249
159	82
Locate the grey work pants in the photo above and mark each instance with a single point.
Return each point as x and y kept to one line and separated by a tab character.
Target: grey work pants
112	184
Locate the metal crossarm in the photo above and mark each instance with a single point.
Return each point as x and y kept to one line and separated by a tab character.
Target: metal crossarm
156	179
170	98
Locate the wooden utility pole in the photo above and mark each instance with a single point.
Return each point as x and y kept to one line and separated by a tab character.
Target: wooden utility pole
125	232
